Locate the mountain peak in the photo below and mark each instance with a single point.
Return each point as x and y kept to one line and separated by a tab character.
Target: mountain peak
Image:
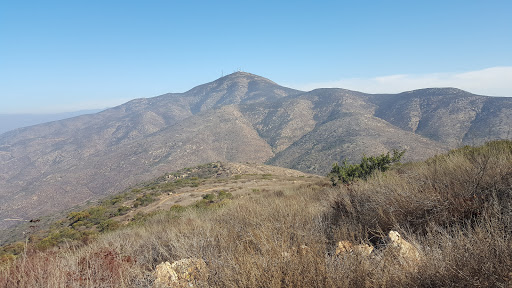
244	76
237	88
438	91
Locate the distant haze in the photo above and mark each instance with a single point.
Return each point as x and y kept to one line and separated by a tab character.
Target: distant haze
10	122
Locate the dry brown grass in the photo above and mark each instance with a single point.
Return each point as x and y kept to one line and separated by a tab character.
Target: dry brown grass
456	209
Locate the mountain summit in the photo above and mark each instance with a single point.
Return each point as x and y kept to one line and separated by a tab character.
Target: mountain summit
238	118
236	88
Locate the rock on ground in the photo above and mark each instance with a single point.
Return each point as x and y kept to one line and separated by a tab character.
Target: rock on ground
182	273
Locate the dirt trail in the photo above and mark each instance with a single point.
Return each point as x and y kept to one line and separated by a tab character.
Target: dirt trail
166	197
238	186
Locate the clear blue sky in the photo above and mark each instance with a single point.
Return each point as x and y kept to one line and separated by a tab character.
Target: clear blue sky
68	55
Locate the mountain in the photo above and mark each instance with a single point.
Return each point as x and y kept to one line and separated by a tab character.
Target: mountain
238	118
450	116
329	125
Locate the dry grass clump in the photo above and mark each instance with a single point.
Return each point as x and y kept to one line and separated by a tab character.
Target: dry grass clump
455	209
444	190
266	240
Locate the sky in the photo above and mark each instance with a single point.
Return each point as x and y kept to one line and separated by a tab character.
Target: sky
59	56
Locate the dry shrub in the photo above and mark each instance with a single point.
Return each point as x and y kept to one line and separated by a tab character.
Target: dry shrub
255	241
456	209
266	240
445	190
87	267
467	257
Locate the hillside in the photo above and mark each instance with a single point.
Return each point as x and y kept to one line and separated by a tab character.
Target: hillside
450	116
444	222
183	188
329	125
238	118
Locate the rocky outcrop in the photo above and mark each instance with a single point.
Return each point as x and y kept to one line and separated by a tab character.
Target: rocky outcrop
348	247
405	250
187	272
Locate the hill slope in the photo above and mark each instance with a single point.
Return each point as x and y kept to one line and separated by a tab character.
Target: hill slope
444	222
448	115
183	187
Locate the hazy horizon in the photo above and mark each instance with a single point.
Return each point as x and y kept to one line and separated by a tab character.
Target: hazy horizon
10	122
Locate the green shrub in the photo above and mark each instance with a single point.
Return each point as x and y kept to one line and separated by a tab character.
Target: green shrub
46	243
78	216
108	225
209	197
59	236
123	210
177	208
347	173
144	200
224	195
201	204
98	214
114	200
7	259
79	224
139	217
15	248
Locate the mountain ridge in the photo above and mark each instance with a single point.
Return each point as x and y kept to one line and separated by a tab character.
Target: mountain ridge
240	117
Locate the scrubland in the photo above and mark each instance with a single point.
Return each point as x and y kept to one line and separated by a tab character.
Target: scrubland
456	209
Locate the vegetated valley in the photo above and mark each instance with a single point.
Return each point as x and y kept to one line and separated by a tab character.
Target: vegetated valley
442	222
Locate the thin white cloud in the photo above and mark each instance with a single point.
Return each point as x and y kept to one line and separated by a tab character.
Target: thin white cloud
495	81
